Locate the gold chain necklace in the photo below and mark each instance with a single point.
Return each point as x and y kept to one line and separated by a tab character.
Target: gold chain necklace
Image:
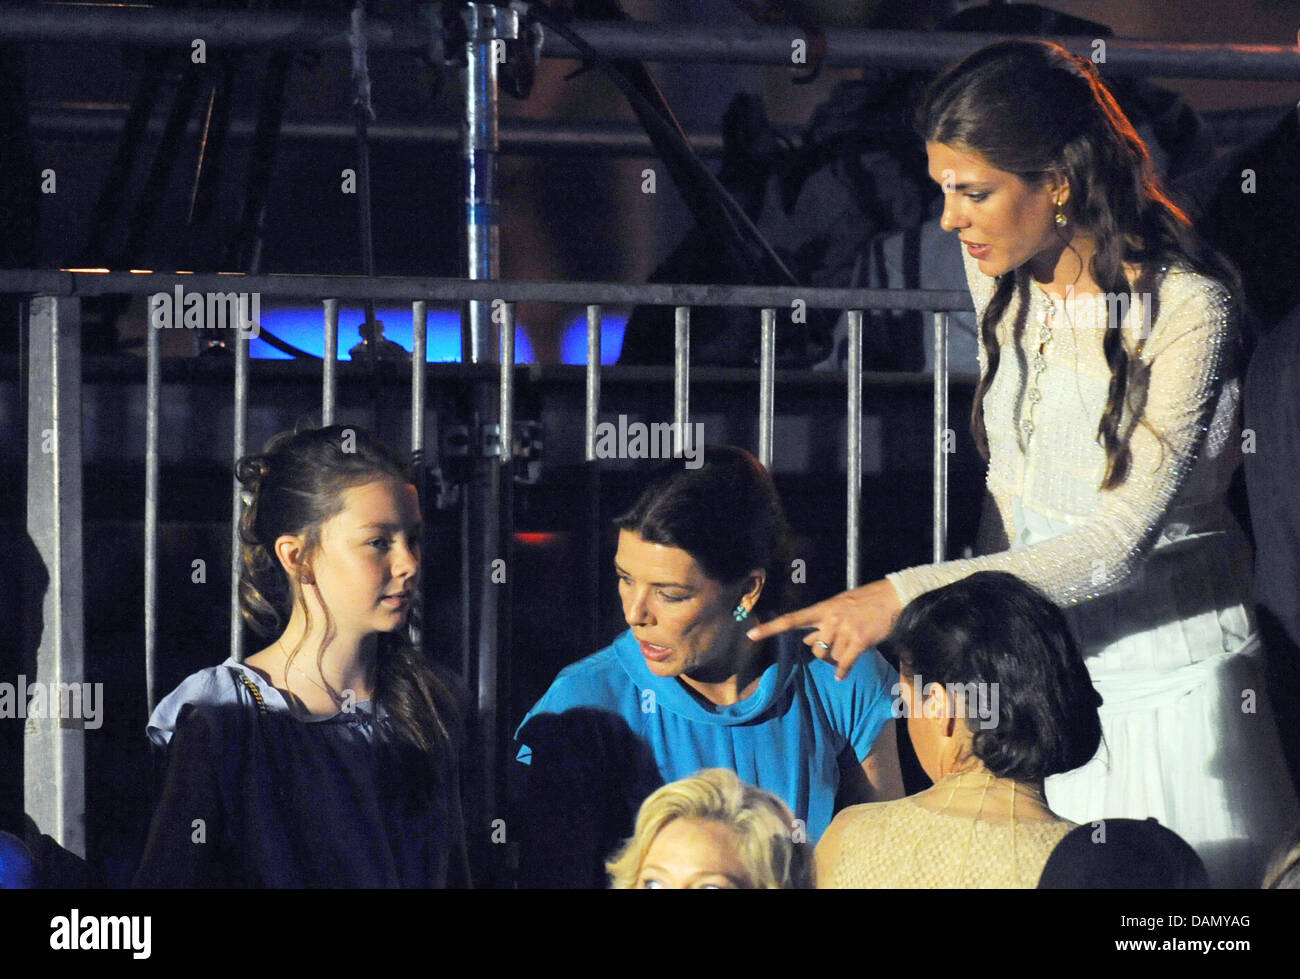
288	663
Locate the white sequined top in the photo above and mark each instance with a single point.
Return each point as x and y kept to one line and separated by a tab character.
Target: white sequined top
1045	517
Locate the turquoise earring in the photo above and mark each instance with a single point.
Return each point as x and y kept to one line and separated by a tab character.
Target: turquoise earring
740	614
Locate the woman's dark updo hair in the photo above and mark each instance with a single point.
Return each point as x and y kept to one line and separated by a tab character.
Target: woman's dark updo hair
994	628
725	514
293	486
1032	109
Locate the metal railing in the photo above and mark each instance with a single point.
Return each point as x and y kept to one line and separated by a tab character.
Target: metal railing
55	402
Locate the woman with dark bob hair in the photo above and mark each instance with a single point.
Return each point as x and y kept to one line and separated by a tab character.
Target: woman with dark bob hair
701	555
1108	408
996	698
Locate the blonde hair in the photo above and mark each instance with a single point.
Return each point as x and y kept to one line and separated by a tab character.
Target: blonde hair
762	824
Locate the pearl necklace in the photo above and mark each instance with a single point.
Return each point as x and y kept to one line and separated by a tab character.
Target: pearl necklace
1046	319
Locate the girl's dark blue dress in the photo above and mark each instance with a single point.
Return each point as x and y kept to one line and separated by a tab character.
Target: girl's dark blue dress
257	796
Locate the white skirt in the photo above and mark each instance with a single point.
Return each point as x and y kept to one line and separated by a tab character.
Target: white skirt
1188	734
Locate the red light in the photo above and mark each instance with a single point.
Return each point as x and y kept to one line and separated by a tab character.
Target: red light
536	540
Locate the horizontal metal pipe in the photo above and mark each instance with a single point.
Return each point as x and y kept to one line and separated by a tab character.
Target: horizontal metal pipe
384	289
583	137
216	374
847	47
738	44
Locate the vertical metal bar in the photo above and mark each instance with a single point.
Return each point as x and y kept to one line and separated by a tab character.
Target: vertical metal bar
593	379
593	474
419	361
766	386
854	461
494	672
238	449
153	405
682	370
940	435
507	409
54	755
330	363
485	24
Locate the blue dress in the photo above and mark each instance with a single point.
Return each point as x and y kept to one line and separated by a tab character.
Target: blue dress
787	737
257	796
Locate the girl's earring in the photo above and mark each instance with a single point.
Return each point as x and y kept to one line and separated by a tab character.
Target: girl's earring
740	614
1061	219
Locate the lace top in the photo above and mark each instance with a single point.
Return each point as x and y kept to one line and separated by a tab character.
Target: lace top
1045	517
904	844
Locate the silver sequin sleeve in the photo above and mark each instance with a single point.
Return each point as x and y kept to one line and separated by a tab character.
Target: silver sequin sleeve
1101	537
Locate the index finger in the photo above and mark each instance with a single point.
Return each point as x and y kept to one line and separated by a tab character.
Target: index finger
800	619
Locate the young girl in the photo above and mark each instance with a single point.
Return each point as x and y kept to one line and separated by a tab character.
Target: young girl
325	759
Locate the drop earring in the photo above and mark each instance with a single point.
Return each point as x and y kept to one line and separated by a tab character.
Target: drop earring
1061	219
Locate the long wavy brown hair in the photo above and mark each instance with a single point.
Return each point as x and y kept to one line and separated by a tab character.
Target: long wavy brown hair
1032	109
294	485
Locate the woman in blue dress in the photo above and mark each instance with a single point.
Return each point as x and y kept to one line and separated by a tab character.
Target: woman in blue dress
327	758
701	556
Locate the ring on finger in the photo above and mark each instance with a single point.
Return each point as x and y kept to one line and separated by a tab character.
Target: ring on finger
823	645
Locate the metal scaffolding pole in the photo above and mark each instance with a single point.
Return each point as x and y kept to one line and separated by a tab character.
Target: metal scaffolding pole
487	27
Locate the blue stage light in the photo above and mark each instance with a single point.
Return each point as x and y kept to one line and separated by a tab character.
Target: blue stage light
304	327
573	345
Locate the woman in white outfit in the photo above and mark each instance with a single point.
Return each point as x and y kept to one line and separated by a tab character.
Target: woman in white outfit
1108	410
